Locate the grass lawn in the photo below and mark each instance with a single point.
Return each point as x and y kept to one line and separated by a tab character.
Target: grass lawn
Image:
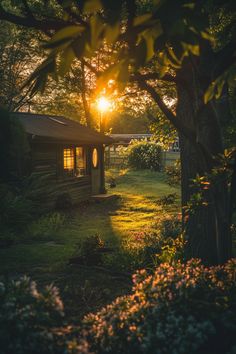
85	289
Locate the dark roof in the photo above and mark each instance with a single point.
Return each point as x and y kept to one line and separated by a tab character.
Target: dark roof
59	128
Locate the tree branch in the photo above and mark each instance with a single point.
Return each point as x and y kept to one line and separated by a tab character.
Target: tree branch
31	22
91	67
74	16
155	76
27	9
188	133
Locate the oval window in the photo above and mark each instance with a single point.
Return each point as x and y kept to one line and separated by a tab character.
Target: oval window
95	158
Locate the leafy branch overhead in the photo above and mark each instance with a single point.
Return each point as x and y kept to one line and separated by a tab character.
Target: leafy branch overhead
148	35
166	31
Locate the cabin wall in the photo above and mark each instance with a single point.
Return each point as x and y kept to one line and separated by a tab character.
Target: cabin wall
44	158
54	188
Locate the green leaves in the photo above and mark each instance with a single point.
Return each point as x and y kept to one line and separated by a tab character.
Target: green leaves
92	6
64	36
66	59
216	87
96	30
168	32
40	75
112	32
140	20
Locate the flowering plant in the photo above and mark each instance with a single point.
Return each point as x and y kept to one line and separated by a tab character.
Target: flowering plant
180	309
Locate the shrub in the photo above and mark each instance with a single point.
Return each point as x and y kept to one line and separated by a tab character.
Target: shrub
168	199
144	155
46	226
14	152
173	174
90	245
162	242
170	227
32	321
180	309
15	212
63	201
27	318
89	251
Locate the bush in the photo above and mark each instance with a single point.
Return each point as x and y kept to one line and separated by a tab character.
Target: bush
173	174
144	155
162	242
180	309
168	199
46	226
14	152
27	318
170	227
63	201
90	245
90	251
32	321
15	213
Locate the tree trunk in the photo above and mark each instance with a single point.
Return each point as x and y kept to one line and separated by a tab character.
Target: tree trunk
206	227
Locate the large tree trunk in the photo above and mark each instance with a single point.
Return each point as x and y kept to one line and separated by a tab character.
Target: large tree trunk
206	227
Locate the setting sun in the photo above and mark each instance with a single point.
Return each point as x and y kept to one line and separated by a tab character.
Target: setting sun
103	104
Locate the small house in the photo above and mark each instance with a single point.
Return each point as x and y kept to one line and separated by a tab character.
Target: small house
72	154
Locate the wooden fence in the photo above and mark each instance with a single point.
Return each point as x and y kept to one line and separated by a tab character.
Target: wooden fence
114	160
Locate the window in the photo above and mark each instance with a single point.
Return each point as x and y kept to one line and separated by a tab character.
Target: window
69	159
95	158
74	161
80	161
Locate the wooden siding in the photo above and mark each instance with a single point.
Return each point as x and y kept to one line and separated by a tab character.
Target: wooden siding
44	158
50	184
52	191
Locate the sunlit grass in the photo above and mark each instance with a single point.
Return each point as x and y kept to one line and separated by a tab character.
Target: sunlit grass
117	221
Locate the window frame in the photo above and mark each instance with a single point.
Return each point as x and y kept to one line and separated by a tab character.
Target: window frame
73	172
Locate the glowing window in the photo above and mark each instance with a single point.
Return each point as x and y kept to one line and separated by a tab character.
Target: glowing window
69	159
95	158
74	161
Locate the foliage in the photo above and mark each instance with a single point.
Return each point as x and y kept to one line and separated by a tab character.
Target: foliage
144	155
63	201
14	147
32	321
160	127
124	123
46	226
163	23
168	199
173	174
190	304
15	213
90	245
20	54
27	318
160	242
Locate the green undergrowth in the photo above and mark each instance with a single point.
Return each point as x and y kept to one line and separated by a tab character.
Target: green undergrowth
127	224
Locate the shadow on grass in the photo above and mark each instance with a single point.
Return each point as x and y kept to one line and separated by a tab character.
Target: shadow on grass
85	289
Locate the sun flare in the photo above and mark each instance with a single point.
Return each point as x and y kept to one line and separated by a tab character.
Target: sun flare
103	104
